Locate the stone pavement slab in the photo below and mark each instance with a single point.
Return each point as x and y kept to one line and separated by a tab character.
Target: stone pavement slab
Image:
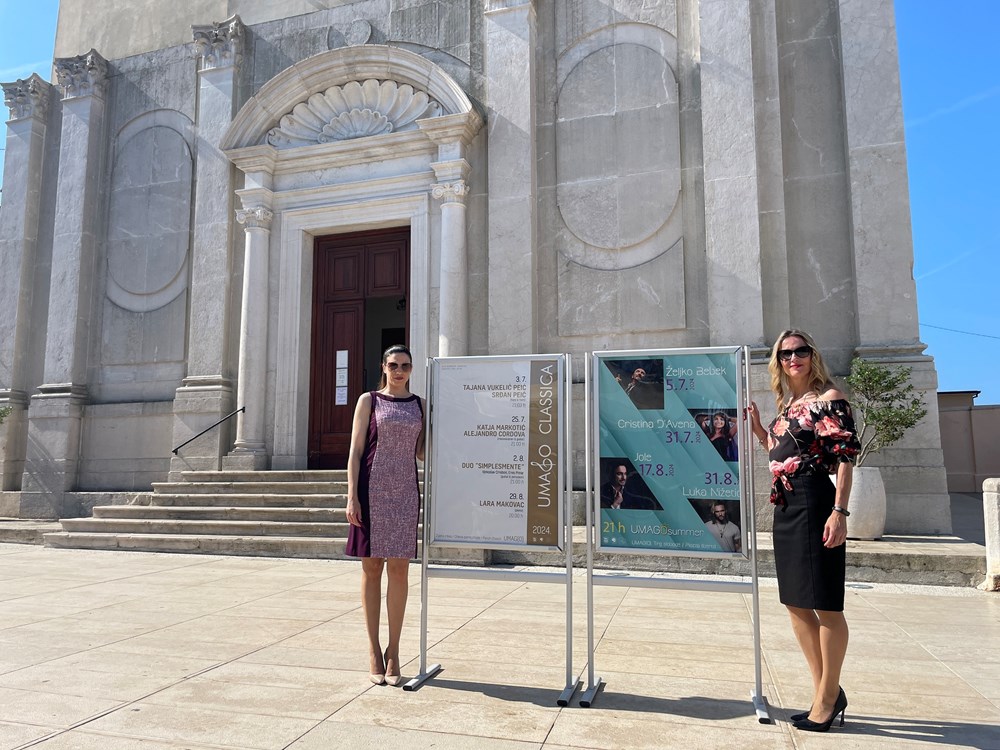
136	651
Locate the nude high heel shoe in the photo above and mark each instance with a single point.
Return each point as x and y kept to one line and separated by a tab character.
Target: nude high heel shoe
395	680
378	678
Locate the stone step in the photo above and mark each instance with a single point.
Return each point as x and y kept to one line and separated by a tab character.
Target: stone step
209	544
255	546
222	513
128	526
250	488
25	531
312	475
250	501
928	561
303	475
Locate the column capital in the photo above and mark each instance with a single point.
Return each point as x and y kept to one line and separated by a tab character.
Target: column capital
451	192
83	75
254	218
220	45
27	97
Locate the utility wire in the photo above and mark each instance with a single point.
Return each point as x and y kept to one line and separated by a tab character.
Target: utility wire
955	330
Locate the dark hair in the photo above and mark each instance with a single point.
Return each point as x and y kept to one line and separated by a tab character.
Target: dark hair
725	417
394	349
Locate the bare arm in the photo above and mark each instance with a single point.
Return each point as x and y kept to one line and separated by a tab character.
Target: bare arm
755	424
835	530
420	438
359	431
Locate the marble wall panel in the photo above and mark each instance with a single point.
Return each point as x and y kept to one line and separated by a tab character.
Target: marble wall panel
770	168
821	275
617	155
624	303
816	187
125	446
141	354
149	220
160	80
438	24
871	56
576	19
279	39
887	297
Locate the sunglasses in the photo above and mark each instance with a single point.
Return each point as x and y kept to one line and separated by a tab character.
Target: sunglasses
405	366
803	352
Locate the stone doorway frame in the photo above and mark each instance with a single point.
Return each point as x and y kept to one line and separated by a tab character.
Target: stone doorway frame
299	229
294	194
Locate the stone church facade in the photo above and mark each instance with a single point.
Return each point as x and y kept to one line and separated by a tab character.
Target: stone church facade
199	216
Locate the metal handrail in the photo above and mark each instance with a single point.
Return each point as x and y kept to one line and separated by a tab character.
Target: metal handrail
211	426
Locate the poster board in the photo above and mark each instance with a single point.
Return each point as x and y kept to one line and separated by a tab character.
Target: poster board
667	468
497	452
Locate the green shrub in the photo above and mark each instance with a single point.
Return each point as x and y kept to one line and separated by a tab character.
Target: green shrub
885	402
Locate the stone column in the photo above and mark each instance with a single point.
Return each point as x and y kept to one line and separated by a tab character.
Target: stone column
876	152
454	296
205	395
513	240
821	294
28	101
56	412
732	229
250	452
882	249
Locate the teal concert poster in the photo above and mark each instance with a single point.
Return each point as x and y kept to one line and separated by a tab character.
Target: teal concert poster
668	452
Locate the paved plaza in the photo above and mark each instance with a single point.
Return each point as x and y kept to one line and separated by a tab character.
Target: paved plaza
138	651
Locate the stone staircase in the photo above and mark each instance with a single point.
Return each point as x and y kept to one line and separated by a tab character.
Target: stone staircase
265	513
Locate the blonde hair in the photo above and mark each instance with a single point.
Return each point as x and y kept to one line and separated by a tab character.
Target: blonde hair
819	375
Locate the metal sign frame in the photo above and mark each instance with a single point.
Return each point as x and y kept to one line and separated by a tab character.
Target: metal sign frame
427	571
598	359
746	447
561	438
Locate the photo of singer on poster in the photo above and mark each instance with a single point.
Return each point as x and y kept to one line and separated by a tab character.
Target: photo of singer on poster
624	489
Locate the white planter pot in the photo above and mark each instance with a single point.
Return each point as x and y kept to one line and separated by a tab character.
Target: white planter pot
867	504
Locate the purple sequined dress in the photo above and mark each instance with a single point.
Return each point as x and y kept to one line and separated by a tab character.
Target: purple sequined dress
387	482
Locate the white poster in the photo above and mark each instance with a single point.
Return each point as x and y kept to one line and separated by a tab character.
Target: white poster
497	432
340	397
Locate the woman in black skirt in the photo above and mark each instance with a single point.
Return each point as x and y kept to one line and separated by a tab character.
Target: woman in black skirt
812	437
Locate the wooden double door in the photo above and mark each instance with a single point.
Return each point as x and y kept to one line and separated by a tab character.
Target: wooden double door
360	283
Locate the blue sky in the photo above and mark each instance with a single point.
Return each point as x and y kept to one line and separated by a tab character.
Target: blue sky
950	71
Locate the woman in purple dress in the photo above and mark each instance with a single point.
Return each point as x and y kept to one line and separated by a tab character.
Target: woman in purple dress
383	501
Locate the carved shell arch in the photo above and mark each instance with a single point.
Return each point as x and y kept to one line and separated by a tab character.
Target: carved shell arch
353	110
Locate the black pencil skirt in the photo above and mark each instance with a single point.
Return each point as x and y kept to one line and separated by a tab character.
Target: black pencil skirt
810	575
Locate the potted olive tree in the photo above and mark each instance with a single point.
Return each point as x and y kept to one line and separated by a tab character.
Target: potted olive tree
885	408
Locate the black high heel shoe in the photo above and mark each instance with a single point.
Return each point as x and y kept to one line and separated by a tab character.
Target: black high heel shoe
839	707
805	714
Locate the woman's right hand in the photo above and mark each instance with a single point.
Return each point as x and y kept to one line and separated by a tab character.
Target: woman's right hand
353	511
753	413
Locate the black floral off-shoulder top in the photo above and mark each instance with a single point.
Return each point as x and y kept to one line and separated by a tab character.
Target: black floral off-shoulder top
810	437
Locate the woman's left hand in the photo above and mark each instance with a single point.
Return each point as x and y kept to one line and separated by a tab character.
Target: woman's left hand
835	530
